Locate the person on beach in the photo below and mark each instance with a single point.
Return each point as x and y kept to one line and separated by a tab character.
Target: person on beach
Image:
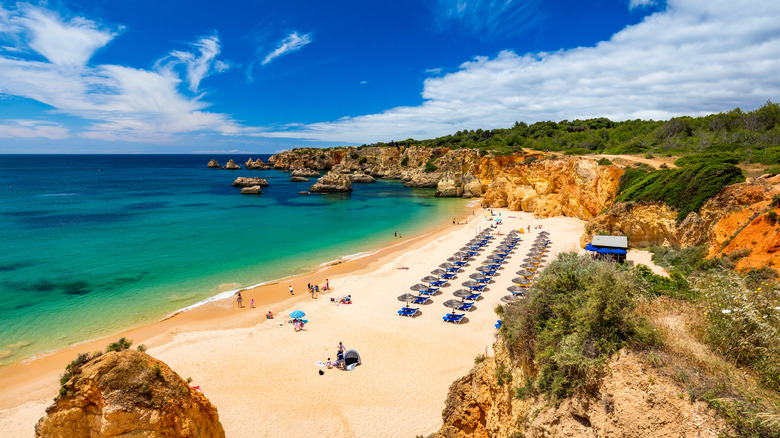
329	364
396	234
239	300
308	285
252	303
291	291
316	288
327	285
311	290
269	315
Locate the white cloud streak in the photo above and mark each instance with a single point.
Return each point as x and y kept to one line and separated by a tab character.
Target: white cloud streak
123	103
695	58
32	129
292	43
488	19
634	4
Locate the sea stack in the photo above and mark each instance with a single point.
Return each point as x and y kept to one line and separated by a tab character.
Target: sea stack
305	173
213	164
256	165
243	181
332	182
231	165
128	393
253	190
360	177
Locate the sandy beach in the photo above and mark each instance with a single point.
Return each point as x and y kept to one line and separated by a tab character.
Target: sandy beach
261	374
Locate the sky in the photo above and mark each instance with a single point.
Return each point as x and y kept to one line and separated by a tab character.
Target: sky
139	76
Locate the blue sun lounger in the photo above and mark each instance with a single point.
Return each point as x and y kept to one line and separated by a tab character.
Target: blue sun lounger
466	306
453	317
498	324
408	311
473	297
429	291
421	300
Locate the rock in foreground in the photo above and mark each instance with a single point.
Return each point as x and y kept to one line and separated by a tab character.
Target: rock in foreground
129	394
332	182
298	179
243	181
252	190
361	178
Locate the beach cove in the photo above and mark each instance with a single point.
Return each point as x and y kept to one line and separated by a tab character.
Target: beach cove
262	376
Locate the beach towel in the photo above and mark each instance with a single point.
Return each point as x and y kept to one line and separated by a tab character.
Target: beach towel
320	363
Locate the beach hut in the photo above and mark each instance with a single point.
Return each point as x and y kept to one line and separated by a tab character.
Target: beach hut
609	247
351	359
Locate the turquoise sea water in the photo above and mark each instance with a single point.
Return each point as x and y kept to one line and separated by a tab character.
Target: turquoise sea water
93	244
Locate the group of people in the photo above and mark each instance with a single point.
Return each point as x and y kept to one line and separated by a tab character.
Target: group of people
298	324
316	288
339	363
240	301
346	299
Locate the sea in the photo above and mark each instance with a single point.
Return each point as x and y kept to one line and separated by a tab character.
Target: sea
94	244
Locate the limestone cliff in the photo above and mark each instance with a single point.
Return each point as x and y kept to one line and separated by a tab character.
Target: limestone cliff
129	394
737	218
332	182
632	400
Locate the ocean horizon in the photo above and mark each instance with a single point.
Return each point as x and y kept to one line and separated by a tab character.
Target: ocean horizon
95	244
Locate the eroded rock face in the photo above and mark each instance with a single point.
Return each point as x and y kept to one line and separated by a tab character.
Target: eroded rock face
298	179
129	394
332	182
633	400
231	165
213	164
253	190
249	182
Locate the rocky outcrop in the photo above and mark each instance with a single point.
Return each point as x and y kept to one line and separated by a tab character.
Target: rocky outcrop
632	400
129	394
213	164
737	218
305	173
256	165
332	182
298	179
253	190
361	178
231	165
243	181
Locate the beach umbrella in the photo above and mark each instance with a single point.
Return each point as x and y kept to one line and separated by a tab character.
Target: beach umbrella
509	299
517	289
528	267
470	283
447	266
495	257
525	273
478	276
419	287
521	281
544	233
438	272
297	314
454	304
462	293
530	260
455	258
407	298
430	278
485	269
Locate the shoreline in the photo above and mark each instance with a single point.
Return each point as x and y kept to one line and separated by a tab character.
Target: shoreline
24	377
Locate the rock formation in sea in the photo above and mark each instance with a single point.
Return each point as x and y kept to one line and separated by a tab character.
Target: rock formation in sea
305	173
298	179
231	165
256	165
243	181
252	190
128	394
360	177
213	164
332	182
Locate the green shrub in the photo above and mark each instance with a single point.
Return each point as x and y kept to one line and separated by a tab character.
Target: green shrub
604	162
683	261
156	370
774	170
121	344
354	155
141	348
363	160
405	161
707	158
578	151
772	216
430	167
578	313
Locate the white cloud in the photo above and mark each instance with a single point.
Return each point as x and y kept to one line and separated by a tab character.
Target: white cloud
487	19
32	129
634	4
695	58
122	103
292	43
202	64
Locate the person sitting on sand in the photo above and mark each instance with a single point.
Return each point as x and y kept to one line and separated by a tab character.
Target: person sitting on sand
329	364
269	315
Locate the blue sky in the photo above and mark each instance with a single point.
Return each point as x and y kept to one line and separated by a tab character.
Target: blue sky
142	76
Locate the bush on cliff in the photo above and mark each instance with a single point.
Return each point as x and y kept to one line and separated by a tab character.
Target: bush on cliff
579	312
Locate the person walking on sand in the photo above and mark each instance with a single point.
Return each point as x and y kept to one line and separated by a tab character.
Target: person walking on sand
239	300
291	291
252	303
327	285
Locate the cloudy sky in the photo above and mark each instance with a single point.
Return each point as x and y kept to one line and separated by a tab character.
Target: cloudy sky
171	76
